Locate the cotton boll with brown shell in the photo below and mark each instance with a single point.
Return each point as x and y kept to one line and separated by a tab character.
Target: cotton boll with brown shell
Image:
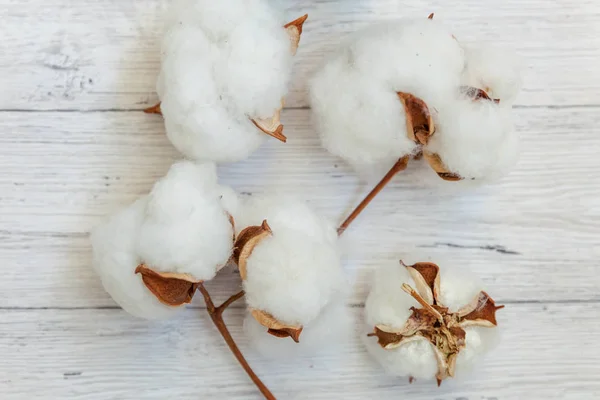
290	265
225	69
426	324
399	90
152	255
354	95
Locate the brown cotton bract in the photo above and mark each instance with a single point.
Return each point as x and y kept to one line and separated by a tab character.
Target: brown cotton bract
171	289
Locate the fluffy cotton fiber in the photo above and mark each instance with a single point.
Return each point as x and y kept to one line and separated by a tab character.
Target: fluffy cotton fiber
223	63
388	304
475	139
361	119
496	70
295	274
182	226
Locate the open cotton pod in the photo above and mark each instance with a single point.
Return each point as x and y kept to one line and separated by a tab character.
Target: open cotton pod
290	266
428	323
225	70
354	96
397	89
152	255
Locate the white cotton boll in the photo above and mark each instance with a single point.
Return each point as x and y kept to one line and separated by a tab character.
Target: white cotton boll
186	229
180	227
223	64
324	335
387	304
354	95
475	139
495	70
294	273
115	260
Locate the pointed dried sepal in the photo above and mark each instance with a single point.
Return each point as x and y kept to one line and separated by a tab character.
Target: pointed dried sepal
438	166
391	340
427	280
431	16
419	124
155	109
171	289
245	243
477	94
480	312
277	328
294	31
271	126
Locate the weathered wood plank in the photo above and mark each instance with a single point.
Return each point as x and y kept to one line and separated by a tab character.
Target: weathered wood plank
546	352
91	55
532	236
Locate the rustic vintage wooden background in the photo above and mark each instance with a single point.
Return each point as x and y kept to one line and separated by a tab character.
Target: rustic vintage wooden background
74	147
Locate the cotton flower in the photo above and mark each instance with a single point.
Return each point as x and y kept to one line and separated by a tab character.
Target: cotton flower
225	69
403	89
151	255
290	266
428	324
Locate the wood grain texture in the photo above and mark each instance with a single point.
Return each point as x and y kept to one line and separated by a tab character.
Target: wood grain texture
91	55
74	148
531	237
107	354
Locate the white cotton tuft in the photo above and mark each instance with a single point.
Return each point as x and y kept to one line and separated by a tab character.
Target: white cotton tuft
295	273
495	70
223	63
387	304
181	227
475	139
353	96
326	334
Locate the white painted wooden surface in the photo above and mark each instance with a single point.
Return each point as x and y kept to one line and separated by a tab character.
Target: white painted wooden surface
74	147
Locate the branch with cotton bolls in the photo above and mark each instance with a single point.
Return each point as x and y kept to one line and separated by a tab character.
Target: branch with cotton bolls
409	90
225	71
154	255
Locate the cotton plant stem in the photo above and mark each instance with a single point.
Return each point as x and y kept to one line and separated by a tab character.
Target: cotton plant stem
398	167
216	314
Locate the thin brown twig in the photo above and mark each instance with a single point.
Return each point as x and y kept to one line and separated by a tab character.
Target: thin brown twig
216	314
399	166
